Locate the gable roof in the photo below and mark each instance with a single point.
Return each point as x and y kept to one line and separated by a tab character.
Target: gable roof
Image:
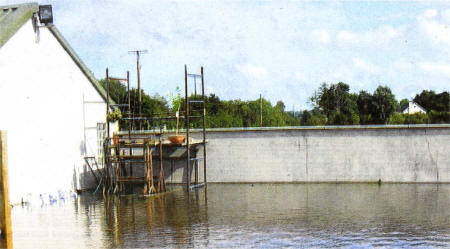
412	102
13	17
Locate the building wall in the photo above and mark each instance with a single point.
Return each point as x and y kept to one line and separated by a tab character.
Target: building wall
328	155
50	112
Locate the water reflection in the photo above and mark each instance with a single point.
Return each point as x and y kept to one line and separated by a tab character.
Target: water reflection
246	215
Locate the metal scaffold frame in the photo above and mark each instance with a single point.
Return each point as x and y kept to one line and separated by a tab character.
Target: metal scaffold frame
140	147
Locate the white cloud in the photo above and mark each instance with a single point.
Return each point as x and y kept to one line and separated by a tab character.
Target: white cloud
365	66
402	65
435	29
431	13
381	36
343	74
445	15
321	36
436	68
252	71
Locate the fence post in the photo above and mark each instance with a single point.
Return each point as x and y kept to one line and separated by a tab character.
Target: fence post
5	211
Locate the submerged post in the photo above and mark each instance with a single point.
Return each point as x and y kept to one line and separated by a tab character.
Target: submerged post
5	211
186	115
130	150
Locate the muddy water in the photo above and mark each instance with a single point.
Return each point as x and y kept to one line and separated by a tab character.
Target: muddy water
245	215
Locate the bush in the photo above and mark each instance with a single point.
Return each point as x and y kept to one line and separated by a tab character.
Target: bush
436	117
416	118
396	118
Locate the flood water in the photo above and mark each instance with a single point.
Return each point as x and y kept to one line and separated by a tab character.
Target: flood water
246	215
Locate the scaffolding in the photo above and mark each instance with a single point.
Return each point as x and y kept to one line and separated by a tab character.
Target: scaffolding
131	149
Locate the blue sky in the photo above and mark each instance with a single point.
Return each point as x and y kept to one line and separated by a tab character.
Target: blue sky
281	49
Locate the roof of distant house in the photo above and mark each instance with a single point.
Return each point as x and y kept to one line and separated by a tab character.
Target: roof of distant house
407	106
13	17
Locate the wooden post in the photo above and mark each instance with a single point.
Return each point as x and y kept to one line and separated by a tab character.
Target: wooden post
204	128
161	182
5	211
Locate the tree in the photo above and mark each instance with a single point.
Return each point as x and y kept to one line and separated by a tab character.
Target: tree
337	103
403	104
384	104
365	107
432	101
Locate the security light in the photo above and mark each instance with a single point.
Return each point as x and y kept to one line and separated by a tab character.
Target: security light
45	14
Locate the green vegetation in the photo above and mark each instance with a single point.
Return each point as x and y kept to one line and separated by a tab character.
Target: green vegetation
176	101
114	116
333	104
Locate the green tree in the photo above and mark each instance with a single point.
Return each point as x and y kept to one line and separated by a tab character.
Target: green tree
336	103
403	104
432	101
384	104
365	107
436	117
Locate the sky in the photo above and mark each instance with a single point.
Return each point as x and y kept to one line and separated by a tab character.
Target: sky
283	50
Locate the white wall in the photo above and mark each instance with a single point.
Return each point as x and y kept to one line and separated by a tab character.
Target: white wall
413	108
42	95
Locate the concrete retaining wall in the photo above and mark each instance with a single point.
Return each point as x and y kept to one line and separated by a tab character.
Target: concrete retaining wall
344	154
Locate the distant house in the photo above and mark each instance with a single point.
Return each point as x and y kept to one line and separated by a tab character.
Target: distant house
51	106
413	107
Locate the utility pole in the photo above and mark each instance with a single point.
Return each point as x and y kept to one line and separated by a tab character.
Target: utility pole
138	69
260	110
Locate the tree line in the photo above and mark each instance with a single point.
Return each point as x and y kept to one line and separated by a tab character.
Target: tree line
332	104
335	105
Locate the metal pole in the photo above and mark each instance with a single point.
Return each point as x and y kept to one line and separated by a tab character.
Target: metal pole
129	121
138	69
186	114
129	103
204	128
107	103
195	86
109	182
5	208
139	89
260	111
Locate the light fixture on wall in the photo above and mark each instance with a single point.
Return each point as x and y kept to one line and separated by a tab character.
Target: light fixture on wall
45	14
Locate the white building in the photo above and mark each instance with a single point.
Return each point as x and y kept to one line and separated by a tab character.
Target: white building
413	107
51	107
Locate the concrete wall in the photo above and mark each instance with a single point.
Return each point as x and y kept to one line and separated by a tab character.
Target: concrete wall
345	154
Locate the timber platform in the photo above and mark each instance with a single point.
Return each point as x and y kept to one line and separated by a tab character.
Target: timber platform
149	150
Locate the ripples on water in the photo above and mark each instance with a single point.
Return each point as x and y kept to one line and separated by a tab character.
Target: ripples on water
246	215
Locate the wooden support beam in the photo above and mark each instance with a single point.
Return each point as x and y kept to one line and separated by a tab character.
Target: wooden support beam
161	182
5	211
86	159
